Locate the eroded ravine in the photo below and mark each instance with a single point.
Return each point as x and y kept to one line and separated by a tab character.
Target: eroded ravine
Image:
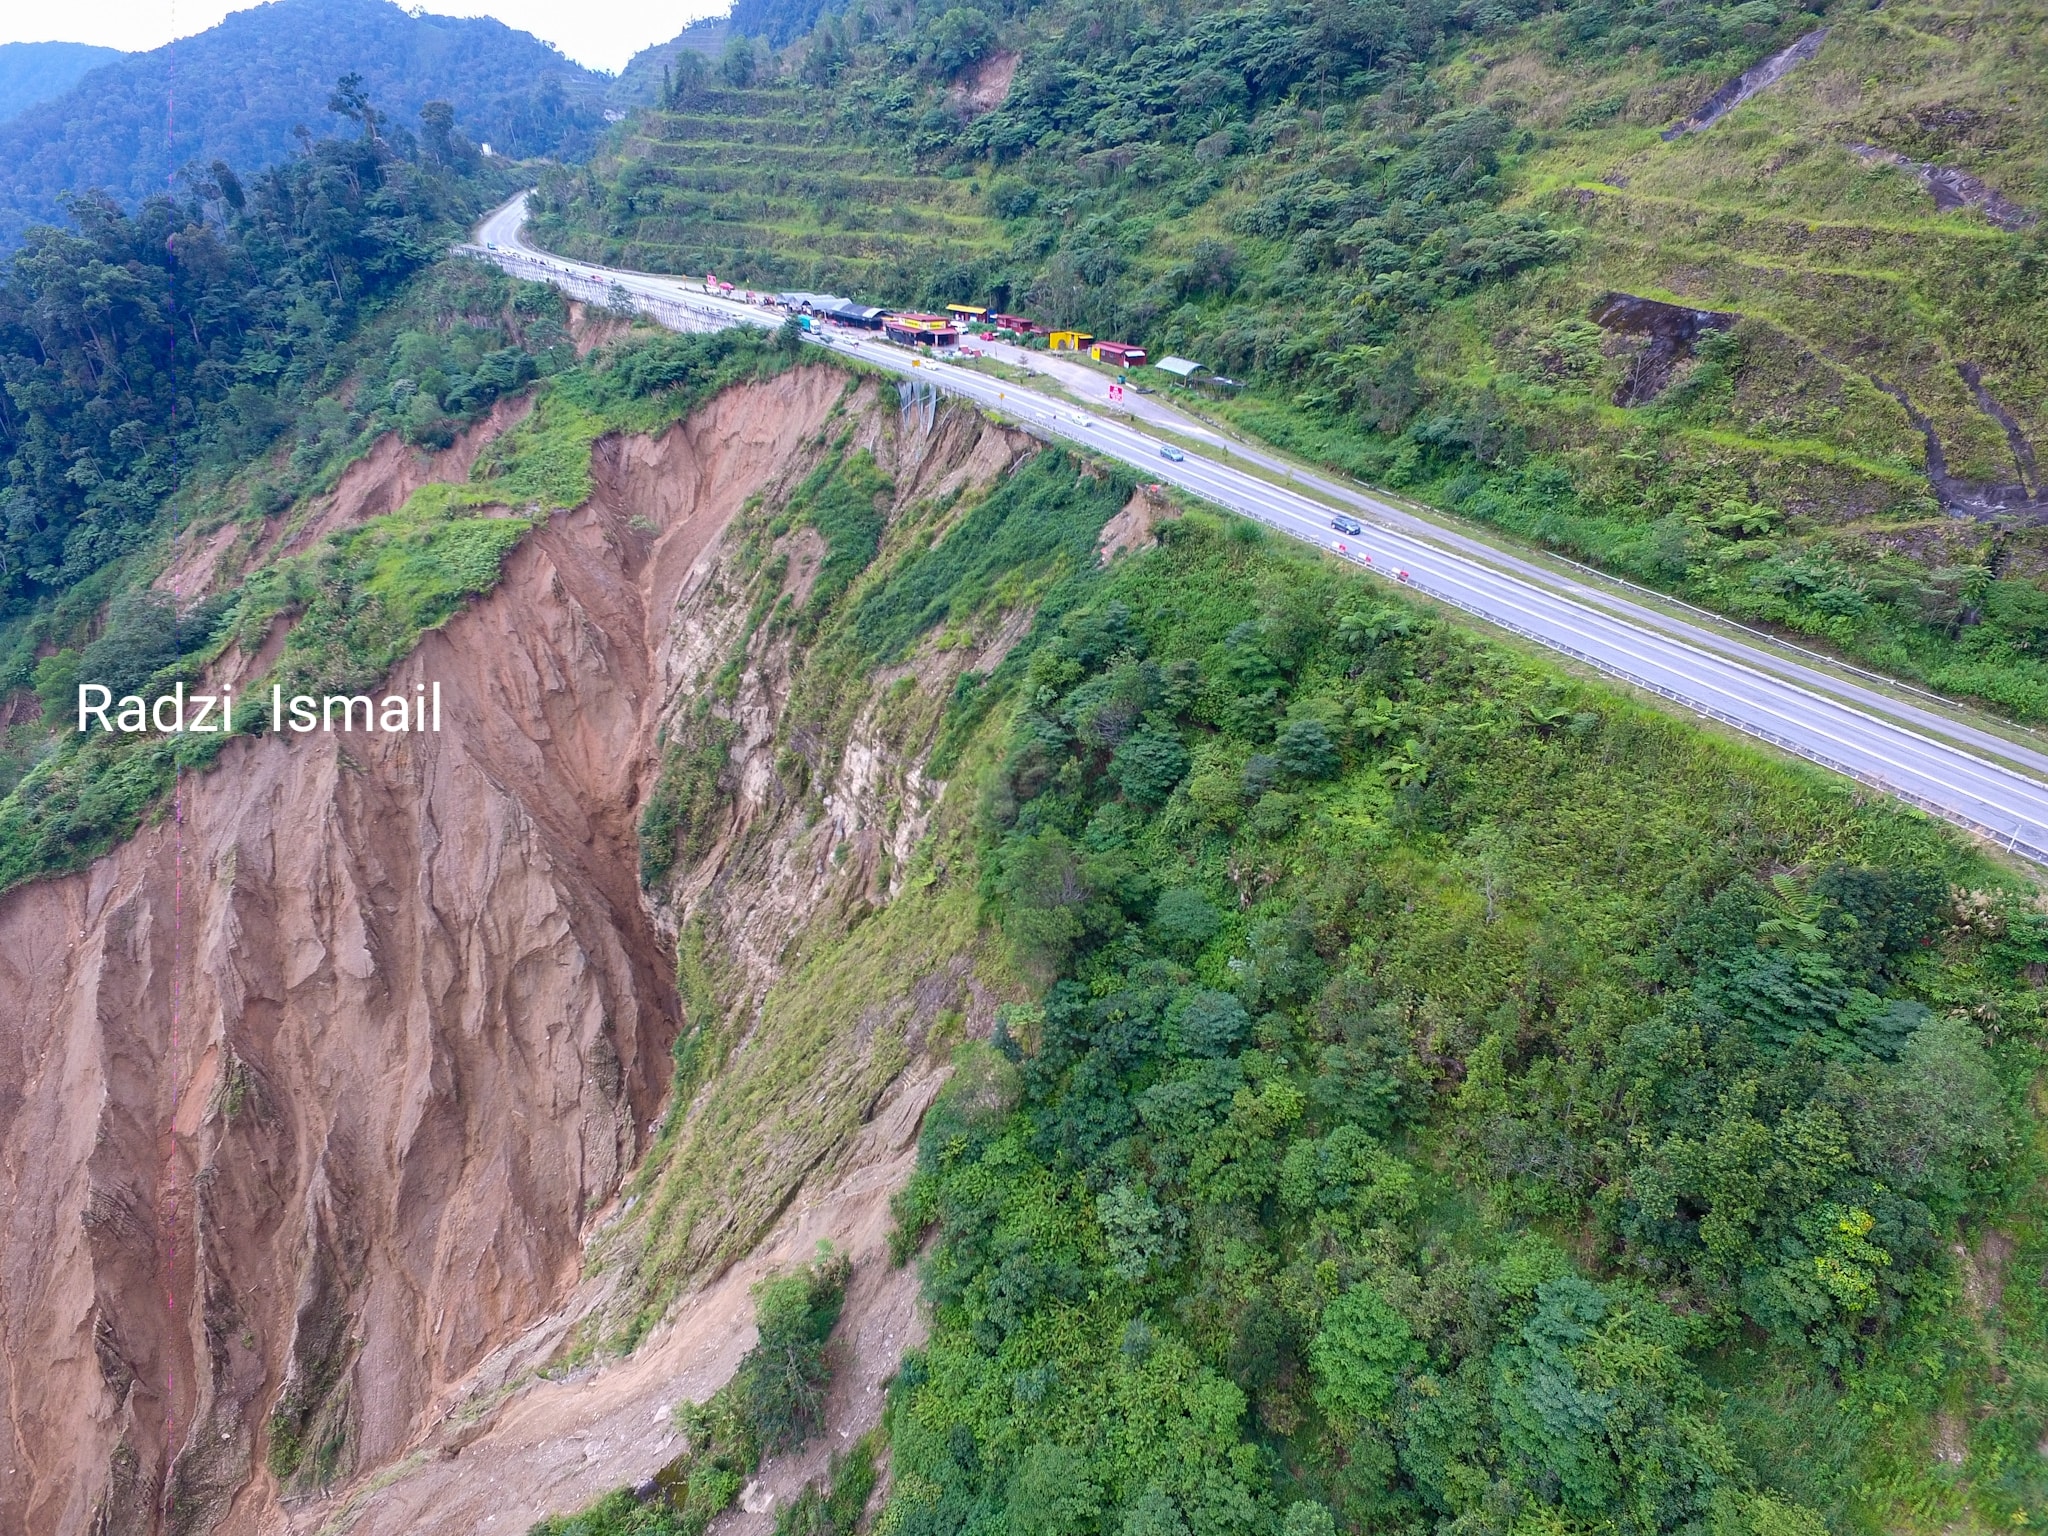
423	1013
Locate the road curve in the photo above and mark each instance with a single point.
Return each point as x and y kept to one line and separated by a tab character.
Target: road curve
1866	735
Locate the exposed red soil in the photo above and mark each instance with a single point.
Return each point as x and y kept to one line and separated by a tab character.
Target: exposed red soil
317	1081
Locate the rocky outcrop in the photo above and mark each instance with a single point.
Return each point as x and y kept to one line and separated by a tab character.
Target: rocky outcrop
311	1094
1668	333
1756	78
984	86
1952	188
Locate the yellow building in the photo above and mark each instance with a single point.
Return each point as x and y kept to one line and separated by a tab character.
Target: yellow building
1068	341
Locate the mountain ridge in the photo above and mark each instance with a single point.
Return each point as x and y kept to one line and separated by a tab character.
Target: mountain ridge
33	72
243	91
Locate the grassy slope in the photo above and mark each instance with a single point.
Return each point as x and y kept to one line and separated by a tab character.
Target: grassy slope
1776	481
1769	214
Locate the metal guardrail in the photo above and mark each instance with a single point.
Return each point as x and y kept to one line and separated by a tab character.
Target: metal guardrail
679	314
675	314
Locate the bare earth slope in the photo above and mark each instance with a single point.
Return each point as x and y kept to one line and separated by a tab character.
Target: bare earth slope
309	1093
828	1022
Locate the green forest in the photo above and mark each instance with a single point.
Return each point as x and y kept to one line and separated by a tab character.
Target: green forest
33	72
1401	227
1460	1101
134	346
249	92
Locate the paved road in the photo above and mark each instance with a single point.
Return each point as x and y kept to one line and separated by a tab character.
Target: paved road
1931	760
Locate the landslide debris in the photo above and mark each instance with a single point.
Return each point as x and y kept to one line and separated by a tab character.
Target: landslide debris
321	1081
1668	332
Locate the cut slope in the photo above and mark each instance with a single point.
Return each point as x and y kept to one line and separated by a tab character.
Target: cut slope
770	183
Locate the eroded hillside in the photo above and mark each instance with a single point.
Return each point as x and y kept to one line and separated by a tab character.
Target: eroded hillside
327	1079
1330	1069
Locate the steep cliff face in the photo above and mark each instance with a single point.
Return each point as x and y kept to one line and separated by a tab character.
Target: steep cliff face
826	974
311	1093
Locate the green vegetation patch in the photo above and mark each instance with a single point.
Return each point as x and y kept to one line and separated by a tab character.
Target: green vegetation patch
1458	1098
843	499
837	1508
373	592
1043	516
696	778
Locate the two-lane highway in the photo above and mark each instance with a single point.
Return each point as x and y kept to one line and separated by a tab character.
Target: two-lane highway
1870	737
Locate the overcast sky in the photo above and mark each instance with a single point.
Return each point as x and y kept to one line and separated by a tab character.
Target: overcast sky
600	33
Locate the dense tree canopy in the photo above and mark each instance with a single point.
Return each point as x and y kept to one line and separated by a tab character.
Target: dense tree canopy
245	91
1449	1097
133	344
33	72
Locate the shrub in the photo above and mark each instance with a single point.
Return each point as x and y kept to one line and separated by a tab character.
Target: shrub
1185	921
1306	751
1052	1494
1149	765
1359	1355
771	1404
779	1389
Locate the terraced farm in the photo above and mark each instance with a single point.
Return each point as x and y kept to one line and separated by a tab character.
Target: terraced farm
765	187
1880	317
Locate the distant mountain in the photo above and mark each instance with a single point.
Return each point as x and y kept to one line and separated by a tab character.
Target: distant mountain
33	72
639	83
241	91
